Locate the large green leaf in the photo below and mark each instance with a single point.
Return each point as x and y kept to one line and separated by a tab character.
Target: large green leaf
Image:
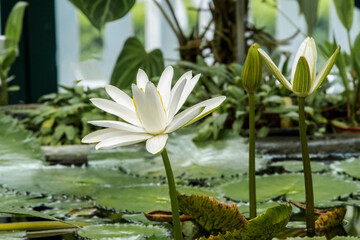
350	167
345	12
14	25
69	181
132	57
292	187
100	12
125	231
211	214
263	227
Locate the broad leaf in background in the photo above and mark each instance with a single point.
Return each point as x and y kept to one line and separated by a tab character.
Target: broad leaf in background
100	12
345	11
309	8
132	57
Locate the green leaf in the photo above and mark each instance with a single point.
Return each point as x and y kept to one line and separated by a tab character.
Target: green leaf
13	88
125	231
23	211
132	57
297	166
263	227
350	167
14	25
200	160
211	214
100	12
17	145
309	8
292	187
345	12
143	198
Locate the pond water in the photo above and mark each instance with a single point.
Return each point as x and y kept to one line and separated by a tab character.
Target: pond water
117	186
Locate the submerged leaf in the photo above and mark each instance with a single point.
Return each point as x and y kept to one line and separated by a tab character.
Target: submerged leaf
211	214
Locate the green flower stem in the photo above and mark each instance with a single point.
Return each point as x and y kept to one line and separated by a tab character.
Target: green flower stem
310	219
173	196
4	90
252	187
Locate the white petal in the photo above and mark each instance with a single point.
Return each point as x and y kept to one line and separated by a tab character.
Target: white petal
176	94
308	50
100	135
120	97
210	106
190	84
324	70
156	144
184	117
274	69
118	125
164	85
141	79
150	109
122	140
117	109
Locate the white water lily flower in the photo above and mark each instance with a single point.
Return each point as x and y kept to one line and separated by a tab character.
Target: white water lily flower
151	114
303	80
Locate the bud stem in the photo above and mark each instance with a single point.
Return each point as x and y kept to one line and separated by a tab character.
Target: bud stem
310	219
252	188
173	196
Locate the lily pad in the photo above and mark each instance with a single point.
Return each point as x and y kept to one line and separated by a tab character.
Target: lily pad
297	166
143	198
68	181
13	235
17	145
188	159
124	232
350	167
326	187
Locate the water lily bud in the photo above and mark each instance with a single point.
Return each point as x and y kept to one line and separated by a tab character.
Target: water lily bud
302	78
252	71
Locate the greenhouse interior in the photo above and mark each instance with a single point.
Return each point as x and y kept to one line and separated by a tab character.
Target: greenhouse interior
180	119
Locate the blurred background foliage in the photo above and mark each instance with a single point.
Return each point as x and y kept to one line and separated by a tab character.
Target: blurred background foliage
234	26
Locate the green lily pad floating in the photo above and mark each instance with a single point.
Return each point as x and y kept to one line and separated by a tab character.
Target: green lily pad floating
260	208
125	232
326	187
68	181
350	167
17	145
13	235
144	198
191	160
297	166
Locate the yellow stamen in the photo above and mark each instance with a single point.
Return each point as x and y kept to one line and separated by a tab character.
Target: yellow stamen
161	101
137	112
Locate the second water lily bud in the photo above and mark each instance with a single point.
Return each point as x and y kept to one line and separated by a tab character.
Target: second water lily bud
252	71
304	80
